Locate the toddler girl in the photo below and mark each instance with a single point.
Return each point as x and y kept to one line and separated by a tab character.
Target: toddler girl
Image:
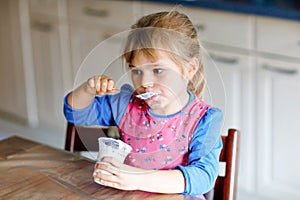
174	134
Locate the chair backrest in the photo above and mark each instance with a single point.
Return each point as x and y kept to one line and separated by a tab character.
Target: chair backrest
85	138
226	184
80	138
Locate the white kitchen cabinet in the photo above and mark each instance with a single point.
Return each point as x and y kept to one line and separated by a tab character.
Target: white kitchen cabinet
51	71
44	7
95	52
230	86
278	97
47	71
238	31
83	40
12	82
210	24
103	13
278	36
96	38
34	71
226	75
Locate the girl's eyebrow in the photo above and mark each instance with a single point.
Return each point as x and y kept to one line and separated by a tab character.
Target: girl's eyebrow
149	65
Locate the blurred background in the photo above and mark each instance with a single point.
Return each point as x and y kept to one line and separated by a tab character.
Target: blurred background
252	53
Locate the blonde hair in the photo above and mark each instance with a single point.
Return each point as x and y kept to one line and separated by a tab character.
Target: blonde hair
170	31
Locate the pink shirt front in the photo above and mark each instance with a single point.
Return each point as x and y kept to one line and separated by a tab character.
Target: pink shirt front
159	142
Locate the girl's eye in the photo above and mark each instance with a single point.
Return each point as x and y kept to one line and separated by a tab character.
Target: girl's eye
136	71
157	71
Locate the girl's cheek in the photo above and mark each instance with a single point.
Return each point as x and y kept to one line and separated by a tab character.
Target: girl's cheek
136	82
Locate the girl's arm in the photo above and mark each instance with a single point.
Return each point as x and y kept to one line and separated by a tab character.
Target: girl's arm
204	151
83	96
126	177
106	110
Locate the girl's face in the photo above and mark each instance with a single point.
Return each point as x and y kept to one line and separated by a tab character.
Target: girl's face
163	77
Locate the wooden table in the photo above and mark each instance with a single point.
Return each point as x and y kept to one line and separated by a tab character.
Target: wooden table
29	170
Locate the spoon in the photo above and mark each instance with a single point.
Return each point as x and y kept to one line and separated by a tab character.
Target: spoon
146	95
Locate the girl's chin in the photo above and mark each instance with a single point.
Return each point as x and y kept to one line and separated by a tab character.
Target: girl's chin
157	107
153	104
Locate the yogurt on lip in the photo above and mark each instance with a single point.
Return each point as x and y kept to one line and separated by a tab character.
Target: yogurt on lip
146	95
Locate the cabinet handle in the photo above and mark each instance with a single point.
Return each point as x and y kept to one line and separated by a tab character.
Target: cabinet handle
280	70
41	26
224	59
96	13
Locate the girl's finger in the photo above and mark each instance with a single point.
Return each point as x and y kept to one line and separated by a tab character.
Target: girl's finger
108	177
103	85
108	181
91	83
110	184
110	85
111	169
98	83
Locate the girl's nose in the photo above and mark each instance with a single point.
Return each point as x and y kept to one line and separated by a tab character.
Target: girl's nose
147	81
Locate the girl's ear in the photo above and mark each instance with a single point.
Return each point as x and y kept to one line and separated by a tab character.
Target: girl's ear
192	69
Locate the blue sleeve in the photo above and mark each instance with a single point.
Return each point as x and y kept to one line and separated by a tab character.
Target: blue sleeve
204	151
106	110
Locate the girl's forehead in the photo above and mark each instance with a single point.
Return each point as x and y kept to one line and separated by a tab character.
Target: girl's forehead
159	58
164	61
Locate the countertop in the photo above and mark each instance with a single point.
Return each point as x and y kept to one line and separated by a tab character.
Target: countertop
287	9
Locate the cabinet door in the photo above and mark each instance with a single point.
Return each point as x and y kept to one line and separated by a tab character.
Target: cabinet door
48	71
104	12
230	81
95	52
96	37
223	28
83	40
278	129
278	36
12	84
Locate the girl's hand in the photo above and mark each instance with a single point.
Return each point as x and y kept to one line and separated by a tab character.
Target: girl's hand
100	85
84	95
124	177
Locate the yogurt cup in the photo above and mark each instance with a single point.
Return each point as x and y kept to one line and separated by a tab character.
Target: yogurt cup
109	147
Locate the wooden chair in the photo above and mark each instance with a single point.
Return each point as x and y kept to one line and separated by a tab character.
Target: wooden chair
226	183
82	138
